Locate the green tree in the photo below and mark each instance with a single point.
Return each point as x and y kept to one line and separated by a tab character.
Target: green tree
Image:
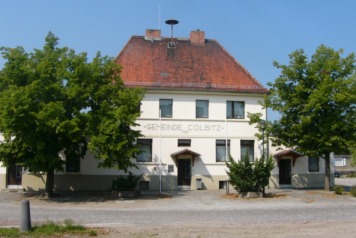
54	101
316	99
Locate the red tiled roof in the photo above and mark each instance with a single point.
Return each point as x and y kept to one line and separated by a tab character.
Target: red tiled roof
151	64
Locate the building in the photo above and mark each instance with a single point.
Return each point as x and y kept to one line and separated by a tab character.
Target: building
295	170
194	111
193	115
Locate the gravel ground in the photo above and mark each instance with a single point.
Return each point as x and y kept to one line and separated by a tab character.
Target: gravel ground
287	213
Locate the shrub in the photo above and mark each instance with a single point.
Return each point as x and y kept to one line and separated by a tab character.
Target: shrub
127	183
339	189
246	176
353	191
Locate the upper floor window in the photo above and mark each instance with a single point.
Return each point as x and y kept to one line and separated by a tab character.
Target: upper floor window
202	109
247	149
235	110
222	151
165	106
145	145
313	164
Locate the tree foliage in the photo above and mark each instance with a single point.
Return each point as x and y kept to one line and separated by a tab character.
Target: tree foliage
246	176
316	99
54	101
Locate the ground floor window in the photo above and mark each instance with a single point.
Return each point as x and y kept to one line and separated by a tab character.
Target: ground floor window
145	146
313	164
72	164
247	149
222	150
184	142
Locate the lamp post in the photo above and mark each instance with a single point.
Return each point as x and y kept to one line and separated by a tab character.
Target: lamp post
262	124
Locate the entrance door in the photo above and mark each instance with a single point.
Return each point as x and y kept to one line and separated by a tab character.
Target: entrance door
285	172
14	176
184	175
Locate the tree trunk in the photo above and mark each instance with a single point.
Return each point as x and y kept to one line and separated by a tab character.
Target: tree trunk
327	172
49	183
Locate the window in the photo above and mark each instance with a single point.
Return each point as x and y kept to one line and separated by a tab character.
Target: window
235	110
202	109
165	106
222	184
144	145
221	150
72	164
247	149
313	164
184	142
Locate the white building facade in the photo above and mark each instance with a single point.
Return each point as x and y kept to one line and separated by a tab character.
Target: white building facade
189	140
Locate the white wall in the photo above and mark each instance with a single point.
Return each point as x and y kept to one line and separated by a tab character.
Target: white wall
203	132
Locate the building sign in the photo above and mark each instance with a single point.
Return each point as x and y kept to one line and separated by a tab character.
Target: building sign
182	128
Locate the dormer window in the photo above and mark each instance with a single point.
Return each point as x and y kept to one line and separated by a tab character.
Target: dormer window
172	45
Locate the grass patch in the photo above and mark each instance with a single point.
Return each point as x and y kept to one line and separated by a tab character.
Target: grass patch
50	229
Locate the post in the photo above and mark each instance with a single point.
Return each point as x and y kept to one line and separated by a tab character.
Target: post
25	225
262	125
263	143
160	152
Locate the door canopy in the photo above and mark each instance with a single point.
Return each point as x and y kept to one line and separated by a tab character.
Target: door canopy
185	153
289	154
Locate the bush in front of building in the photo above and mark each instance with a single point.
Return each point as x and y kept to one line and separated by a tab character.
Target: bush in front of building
353	191
241	175
126	183
246	176
339	189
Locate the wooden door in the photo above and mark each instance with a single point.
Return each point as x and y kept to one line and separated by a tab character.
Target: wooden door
14	175
285	177
184	172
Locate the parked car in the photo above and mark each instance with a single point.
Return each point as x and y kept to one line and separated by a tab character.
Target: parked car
337	174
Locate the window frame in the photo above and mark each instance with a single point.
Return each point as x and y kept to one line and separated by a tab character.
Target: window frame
184	142
72	164
251	145
144	142
166	115
207	108
222	143
232	106
315	163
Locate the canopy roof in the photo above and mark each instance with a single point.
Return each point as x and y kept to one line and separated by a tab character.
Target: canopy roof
185	152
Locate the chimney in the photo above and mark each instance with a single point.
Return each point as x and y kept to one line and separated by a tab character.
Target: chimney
152	34
197	37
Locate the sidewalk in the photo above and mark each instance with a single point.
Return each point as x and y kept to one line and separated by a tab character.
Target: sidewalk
191	199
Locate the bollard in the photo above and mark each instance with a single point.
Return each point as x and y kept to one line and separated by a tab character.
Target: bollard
25	216
227	187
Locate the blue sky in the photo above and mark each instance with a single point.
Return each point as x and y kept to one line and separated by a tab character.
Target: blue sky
255	32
